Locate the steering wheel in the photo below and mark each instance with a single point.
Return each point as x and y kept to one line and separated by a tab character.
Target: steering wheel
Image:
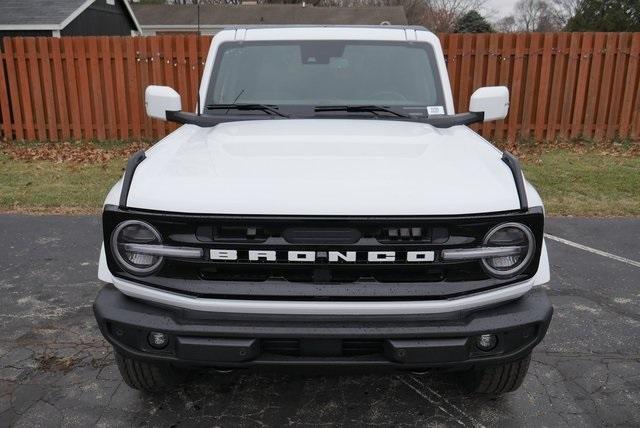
389	95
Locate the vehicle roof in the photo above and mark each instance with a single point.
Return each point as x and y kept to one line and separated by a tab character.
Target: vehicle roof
326	32
328	26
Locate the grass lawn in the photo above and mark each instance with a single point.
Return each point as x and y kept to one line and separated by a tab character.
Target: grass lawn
55	187
587	183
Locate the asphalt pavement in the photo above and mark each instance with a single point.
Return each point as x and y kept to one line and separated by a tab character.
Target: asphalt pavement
57	370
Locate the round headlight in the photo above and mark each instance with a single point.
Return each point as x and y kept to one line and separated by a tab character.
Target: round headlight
135	232
517	237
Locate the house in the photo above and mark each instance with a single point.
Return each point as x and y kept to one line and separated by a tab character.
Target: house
158	19
67	18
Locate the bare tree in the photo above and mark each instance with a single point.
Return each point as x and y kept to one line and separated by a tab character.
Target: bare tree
535	15
441	15
414	9
563	10
437	15
506	24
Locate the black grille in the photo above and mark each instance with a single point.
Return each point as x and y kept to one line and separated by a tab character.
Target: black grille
323	235
343	273
362	279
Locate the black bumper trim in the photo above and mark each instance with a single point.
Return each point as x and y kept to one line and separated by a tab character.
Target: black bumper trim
410	343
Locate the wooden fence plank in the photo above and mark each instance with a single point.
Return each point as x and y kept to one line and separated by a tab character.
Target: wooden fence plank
5	110
133	89
504	79
543	87
493	60
479	60
73	100
31	52
605	85
581	89
595	72
515	106
531	85
635	118
632	86
613	119
25	92
120	89
466	79
96	87
62	114
47	86
558	78
84	91
571	74
14	92
106	53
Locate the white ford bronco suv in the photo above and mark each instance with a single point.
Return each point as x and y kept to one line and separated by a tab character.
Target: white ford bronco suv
324	205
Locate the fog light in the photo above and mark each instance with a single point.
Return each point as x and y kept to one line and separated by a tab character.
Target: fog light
158	340
486	342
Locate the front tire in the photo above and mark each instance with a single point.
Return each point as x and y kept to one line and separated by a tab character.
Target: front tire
498	379
148	377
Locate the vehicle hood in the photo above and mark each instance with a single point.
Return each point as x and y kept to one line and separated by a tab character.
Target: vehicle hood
324	167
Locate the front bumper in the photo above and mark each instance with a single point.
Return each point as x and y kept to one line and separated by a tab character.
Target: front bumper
410	342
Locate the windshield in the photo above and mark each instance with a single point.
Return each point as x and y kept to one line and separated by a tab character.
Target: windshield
326	73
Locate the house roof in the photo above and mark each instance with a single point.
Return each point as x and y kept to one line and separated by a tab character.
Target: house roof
44	14
153	15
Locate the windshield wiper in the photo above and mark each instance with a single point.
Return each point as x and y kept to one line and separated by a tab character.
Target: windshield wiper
361	108
246	107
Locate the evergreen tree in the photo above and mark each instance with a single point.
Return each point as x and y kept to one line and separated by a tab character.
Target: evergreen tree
472	22
606	15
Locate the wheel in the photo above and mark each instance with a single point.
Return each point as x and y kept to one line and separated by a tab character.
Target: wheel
498	379
148	377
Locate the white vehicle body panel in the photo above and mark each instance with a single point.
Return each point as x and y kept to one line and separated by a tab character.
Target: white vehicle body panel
324	167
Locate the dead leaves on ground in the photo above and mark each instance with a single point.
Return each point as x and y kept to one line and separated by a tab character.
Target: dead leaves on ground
532	152
76	153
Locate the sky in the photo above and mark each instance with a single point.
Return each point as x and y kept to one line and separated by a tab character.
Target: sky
500	8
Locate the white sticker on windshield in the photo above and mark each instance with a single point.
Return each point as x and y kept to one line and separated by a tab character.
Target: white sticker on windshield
431	110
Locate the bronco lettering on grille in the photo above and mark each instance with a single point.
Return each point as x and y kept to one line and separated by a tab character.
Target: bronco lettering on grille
221	255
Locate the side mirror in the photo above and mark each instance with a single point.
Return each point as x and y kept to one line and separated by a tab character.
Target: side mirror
160	99
492	101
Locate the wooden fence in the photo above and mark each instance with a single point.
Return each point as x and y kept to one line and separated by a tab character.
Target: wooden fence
562	84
